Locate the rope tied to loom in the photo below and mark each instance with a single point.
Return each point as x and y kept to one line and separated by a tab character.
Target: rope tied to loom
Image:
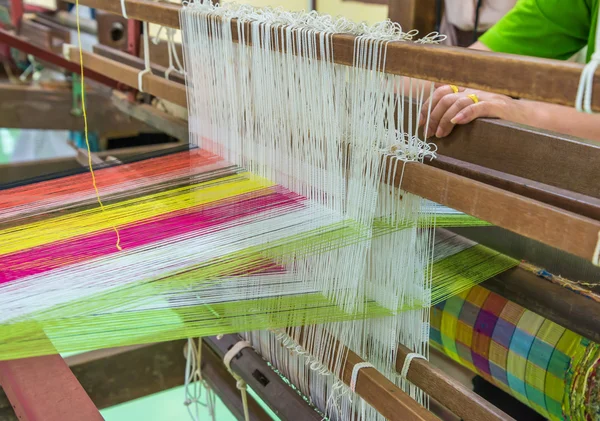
194	382
240	383
583	102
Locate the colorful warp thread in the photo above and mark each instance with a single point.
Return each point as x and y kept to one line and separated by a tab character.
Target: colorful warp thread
549	368
65	287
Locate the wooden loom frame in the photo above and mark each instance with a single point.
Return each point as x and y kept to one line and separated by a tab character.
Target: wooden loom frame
542	204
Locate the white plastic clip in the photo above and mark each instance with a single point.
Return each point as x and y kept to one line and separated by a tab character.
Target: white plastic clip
124	9
596	258
355	370
407	360
66	51
147	68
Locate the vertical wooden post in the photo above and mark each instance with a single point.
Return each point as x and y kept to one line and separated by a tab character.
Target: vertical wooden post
413	14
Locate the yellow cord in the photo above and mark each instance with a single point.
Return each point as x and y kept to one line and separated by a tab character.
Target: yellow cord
85	124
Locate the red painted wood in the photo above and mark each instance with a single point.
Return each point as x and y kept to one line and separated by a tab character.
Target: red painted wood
45	389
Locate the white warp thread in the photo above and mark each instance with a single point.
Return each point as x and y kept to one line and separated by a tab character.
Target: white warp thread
406	365
355	370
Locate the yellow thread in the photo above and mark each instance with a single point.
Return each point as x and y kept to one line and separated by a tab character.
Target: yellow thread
85	125
474	98
127	212
454	88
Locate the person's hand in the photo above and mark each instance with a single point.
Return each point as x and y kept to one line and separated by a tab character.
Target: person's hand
449	108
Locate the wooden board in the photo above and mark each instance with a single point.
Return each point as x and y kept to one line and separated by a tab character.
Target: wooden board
537	79
127	75
137	62
553	226
561	198
44	389
558	160
461	400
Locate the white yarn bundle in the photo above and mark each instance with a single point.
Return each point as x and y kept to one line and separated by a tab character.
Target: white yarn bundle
265	93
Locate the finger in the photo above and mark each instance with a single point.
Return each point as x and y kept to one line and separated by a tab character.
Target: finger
439	110
438	94
446	125
479	110
439	85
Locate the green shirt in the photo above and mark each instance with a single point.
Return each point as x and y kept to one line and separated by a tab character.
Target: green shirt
546	28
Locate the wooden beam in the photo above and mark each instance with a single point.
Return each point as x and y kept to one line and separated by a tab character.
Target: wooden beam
553	226
49	108
127	75
286	403
565	199
536	79
221	381
42	54
459	399
568	308
557	160
136	62
383	395
542	255
151	116
45	389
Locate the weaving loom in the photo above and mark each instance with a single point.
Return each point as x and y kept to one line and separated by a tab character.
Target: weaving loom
304	218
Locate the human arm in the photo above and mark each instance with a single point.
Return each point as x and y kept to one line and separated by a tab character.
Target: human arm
553	32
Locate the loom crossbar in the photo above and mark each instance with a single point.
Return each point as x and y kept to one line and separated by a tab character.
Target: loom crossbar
550	225
537	79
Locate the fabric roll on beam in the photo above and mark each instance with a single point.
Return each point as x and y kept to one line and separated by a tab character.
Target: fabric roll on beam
549	368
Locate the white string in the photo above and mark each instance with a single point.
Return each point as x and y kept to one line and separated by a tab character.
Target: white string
124	9
147	66
355	370
596	258
233	351
174	63
407	360
240	383
195	383
583	101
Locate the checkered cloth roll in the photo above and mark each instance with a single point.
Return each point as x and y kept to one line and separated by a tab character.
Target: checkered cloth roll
549	368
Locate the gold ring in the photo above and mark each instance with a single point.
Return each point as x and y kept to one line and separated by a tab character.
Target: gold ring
454	88
474	98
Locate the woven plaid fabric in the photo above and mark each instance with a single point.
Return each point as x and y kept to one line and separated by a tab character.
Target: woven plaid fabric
549	368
